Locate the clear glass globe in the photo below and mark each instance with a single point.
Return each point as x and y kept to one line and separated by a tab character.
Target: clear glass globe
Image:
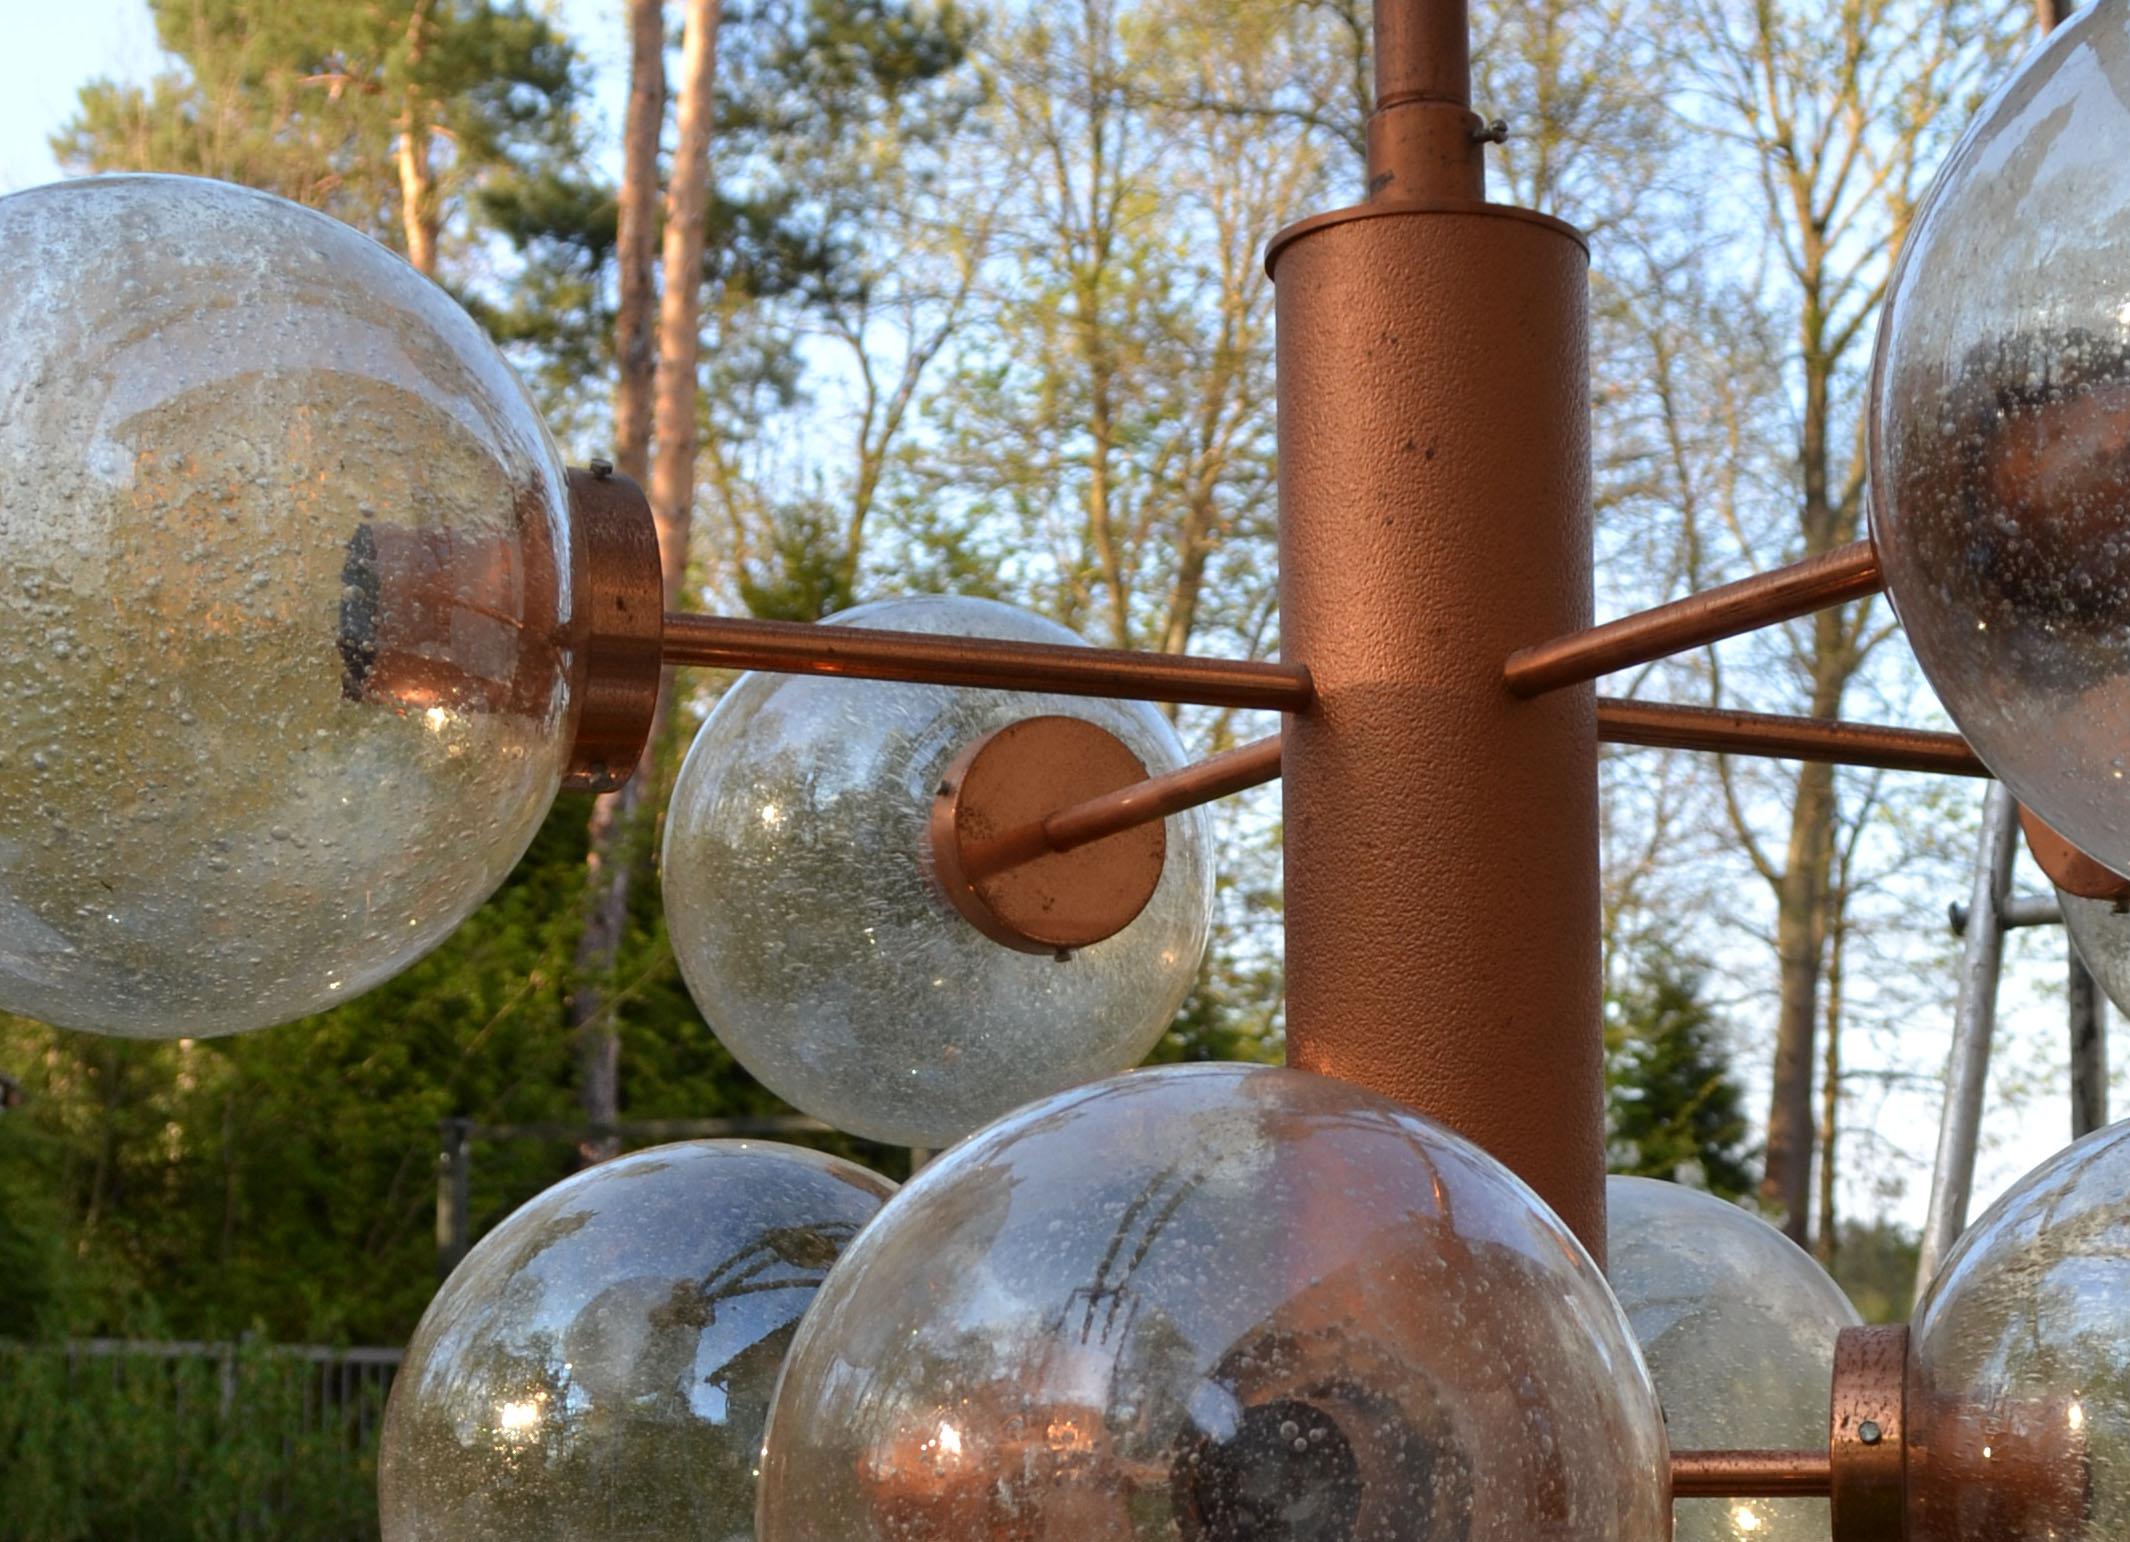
1214	1302
1999	427
2101	933
801	905
2019	1368
284	588
1738	1325
600	1366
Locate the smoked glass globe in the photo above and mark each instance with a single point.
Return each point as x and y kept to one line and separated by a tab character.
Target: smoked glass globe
2019	1371
1738	1325
801	904
2100	930
600	1366
284	597
1214	1302
1999	428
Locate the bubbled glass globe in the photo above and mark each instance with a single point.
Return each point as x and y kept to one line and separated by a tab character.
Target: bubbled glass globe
2019	1362
600	1366
1999	428
1738	1325
801	905
284	587
2100	930
1207	1303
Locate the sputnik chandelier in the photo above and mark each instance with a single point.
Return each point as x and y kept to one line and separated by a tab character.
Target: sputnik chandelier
306	625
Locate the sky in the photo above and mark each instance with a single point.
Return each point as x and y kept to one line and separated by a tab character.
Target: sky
51	49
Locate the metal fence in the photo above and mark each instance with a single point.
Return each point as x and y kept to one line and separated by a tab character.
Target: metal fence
343	1390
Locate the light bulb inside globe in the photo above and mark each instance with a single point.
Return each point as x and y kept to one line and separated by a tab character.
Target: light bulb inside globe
1738	1325
600	1365
1999	433
290	631
810	922
1210	1302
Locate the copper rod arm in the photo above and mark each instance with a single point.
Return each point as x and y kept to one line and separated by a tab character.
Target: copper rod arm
1833	578
1664	726
1751	1474
1248	765
792	647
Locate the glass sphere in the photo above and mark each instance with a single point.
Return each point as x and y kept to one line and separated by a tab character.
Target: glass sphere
1999	428
284	557
1738	1325
2019	1368
2101	933
600	1366
800	900
1214	1302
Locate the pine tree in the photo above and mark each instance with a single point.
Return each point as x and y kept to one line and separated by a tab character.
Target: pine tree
1674	1110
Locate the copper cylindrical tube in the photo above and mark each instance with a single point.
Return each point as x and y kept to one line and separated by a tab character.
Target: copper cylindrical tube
1441	836
1750	1474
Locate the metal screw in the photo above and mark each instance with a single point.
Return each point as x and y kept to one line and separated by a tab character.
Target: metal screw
602	468
1495	131
1869	1432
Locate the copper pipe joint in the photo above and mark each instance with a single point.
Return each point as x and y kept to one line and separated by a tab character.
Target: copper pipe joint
988	844
1833	578
617	622
1867	1434
2070	869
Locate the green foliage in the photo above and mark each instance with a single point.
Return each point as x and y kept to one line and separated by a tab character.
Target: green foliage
192	1449
1875	1263
1674	1111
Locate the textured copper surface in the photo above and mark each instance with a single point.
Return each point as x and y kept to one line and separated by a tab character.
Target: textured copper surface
790	647
1666	726
2070	869
1749	1474
1441	836
620	611
1844	574
1867	1434
1010	780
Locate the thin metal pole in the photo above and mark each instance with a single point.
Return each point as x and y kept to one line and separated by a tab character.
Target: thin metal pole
1082	824
1719	729
454	1159
1752	1474
1833	578
2018	911
2089	1047
865	653
1974	1019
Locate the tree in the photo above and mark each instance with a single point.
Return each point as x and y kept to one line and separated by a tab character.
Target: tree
1673	1109
388	116
1840	117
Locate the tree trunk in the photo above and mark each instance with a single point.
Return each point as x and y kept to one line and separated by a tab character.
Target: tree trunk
635	350
1830	1093
671	488
417	178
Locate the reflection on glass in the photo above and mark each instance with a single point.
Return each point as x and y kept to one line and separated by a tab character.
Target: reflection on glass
285	682
1738	1325
1215	1303
2019	1388
600	1366
2000	433
798	893
2100	930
